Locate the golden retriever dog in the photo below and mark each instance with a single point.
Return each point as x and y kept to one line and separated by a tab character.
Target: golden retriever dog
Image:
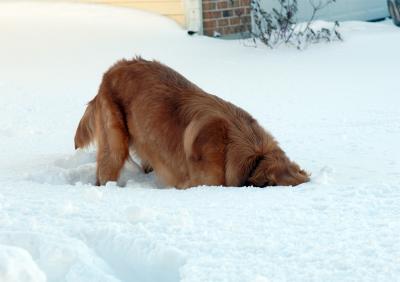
187	136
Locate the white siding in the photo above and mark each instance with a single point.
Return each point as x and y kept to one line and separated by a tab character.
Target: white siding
341	10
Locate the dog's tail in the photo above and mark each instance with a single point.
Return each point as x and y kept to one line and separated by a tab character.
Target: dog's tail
85	133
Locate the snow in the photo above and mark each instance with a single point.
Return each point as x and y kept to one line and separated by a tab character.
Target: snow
16	264
333	107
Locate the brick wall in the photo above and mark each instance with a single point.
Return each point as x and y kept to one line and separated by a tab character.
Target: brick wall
226	16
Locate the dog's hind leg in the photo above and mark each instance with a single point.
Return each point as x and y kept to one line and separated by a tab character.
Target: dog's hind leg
113	142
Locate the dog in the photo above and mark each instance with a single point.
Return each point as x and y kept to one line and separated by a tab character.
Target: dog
187	136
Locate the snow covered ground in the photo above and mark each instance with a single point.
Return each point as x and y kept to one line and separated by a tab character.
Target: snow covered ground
334	108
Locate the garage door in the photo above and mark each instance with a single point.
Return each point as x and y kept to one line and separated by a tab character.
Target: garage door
171	8
341	10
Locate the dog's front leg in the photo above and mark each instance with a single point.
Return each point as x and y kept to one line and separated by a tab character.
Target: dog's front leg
204	143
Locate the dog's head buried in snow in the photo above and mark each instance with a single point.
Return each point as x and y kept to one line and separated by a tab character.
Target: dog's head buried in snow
187	136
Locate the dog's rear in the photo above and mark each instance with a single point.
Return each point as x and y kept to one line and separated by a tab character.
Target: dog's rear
103	124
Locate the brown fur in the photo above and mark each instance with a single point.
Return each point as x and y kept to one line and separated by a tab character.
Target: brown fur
187	136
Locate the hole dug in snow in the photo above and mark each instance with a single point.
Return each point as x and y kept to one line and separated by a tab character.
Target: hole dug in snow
137	257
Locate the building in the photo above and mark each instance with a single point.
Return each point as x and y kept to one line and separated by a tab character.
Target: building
227	17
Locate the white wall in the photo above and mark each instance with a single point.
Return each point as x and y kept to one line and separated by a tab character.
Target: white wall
341	10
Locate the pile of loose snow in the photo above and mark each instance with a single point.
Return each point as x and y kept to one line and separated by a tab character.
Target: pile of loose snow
334	108
16	264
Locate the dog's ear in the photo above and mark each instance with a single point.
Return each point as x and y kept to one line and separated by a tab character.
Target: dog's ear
259	179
